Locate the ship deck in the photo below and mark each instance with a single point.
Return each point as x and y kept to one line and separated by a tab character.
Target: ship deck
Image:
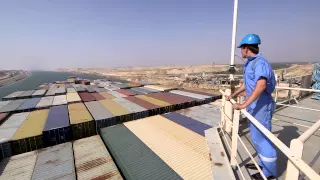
288	123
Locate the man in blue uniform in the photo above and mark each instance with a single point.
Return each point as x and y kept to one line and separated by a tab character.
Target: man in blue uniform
259	83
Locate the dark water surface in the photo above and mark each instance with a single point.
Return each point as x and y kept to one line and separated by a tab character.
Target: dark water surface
39	77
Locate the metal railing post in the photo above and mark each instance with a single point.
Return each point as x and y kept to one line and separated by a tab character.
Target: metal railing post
278	83
235	130
223	102
296	146
228	113
276	96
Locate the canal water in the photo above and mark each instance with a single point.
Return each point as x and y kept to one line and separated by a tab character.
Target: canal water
39	77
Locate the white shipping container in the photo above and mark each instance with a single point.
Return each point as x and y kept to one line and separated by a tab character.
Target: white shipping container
209	114
11	125
55	162
116	94
150	89
93	161
15	120
130	106
18	167
14	94
189	94
154	87
39	92
71	90
73	97
59	100
3	103
45	102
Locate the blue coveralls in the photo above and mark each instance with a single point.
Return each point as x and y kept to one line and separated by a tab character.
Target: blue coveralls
255	68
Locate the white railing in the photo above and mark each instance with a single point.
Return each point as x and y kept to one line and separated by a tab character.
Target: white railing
294	159
296	145
279	88
298	89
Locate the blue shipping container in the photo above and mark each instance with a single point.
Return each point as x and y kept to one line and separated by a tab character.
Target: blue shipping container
187	122
57	128
29	104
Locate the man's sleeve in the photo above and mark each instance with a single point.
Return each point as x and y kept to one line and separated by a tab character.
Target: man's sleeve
262	71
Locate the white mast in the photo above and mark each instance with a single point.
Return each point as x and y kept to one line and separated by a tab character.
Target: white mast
233	43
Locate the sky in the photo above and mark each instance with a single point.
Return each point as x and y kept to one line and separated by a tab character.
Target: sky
49	34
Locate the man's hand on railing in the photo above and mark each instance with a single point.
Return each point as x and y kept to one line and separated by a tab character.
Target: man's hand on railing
238	106
227	97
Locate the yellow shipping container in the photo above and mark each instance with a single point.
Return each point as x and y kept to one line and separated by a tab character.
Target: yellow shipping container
73	97
153	100
33	125
186	152
78	113
115	108
107	95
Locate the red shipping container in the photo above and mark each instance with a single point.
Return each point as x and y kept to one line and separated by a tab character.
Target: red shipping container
97	96
86	97
125	92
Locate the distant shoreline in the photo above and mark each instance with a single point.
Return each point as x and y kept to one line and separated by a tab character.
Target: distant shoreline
22	76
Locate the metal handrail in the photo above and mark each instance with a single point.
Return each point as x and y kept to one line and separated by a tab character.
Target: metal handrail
308	133
298	162
299	107
297	145
299	89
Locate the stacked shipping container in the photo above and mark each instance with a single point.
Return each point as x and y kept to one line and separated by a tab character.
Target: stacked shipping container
26	94
55	162
193	95
107	95
73	97
3	117
3	103
13	95
81	121
60	91
178	101
59	100
116	94
29	104
12	105
86	97
158	143
57	128
101	115
29	136
126	92
152	108
117	110
166	107
93	161
97	96
71	90
18	167
7	131
45	102
39	93
136	110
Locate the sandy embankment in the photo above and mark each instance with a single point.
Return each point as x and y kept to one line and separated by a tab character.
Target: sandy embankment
9	77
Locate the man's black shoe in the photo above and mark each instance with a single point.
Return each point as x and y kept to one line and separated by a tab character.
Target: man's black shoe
258	176
252	166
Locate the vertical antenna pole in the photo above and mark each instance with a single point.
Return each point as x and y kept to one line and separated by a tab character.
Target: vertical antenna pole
233	43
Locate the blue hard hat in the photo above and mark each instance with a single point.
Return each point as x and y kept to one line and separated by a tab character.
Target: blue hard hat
250	39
